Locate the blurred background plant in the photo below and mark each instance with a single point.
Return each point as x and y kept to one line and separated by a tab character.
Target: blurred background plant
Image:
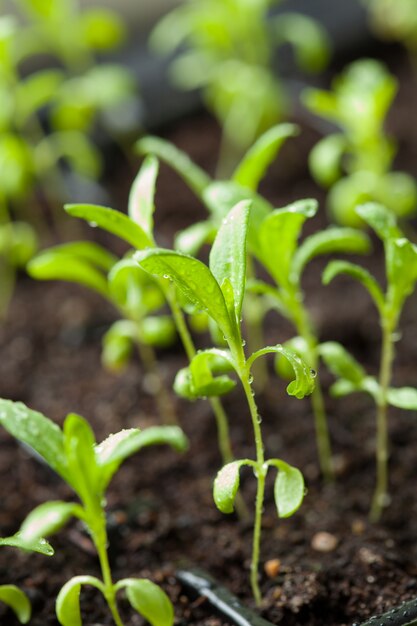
355	164
227	49
395	20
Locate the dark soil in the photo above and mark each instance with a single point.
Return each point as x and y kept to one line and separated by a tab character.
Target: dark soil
161	514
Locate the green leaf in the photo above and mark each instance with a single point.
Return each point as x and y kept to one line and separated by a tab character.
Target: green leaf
335	268
158	331
256	161
79	445
17	601
303	385
59	264
89	251
118	447
228	253
47	519
309	39
118	344
341	363
112	221
36	91
36	431
226	485
278	235
193	175
149	600
68	600
102	29
401	268
142	196
201	379
191	239
328	241
299	346
289	489
193	278
325	159
403	398
30	544
380	219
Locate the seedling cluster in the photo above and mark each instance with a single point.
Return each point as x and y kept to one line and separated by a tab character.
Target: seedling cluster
229	274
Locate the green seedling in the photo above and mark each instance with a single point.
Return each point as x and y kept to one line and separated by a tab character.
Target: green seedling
227	47
395	20
18	243
219	196
88	468
401	276
278	252
137	230
218	290
11	595
355	164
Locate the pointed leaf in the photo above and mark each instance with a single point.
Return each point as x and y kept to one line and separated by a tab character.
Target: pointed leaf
142	195
35	544
193	278
79	443
67	607
303	385
17	601
256	161
228	253
278	235
401	263
403	398
36	431
149	600
226	485
380	219
201	379
344	240
289	489
193	175
341	363
47	519
112	221
360	274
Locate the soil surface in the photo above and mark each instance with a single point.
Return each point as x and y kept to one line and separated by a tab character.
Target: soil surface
160	509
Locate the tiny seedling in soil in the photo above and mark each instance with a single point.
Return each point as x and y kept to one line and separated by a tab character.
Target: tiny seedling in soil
11	595
134	294
356	162
276	249
401	276
394	20
228	48
218	290
88	468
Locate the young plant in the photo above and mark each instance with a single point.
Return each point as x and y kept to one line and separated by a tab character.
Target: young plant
137	229
401	276
355	164
11	595
18	243
227	49
395	20
277	250
88	468
218	290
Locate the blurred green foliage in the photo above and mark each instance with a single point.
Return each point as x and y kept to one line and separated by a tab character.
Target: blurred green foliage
395	20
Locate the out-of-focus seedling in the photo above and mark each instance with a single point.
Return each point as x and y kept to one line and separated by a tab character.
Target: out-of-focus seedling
285	260
88	468
355	164
219	290
11	595
401	275
395	20
227	48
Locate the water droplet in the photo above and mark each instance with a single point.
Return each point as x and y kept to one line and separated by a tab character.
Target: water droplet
259	419
313	373
396	336
93	224
243	343
250	379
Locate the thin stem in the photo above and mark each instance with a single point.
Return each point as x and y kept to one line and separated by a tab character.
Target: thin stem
100	541
254	316
165	406
223	433
260	472
303	325
380	497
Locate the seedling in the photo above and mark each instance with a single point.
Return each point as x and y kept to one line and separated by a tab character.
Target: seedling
401	275
137	229
11	595
88	468
276	249
355	164
394	20
134	295
18	243
218	290
227	52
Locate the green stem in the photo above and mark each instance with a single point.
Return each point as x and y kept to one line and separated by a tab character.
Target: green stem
260	471
253	316
100	541
163	402
223	433
304	329
380	497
